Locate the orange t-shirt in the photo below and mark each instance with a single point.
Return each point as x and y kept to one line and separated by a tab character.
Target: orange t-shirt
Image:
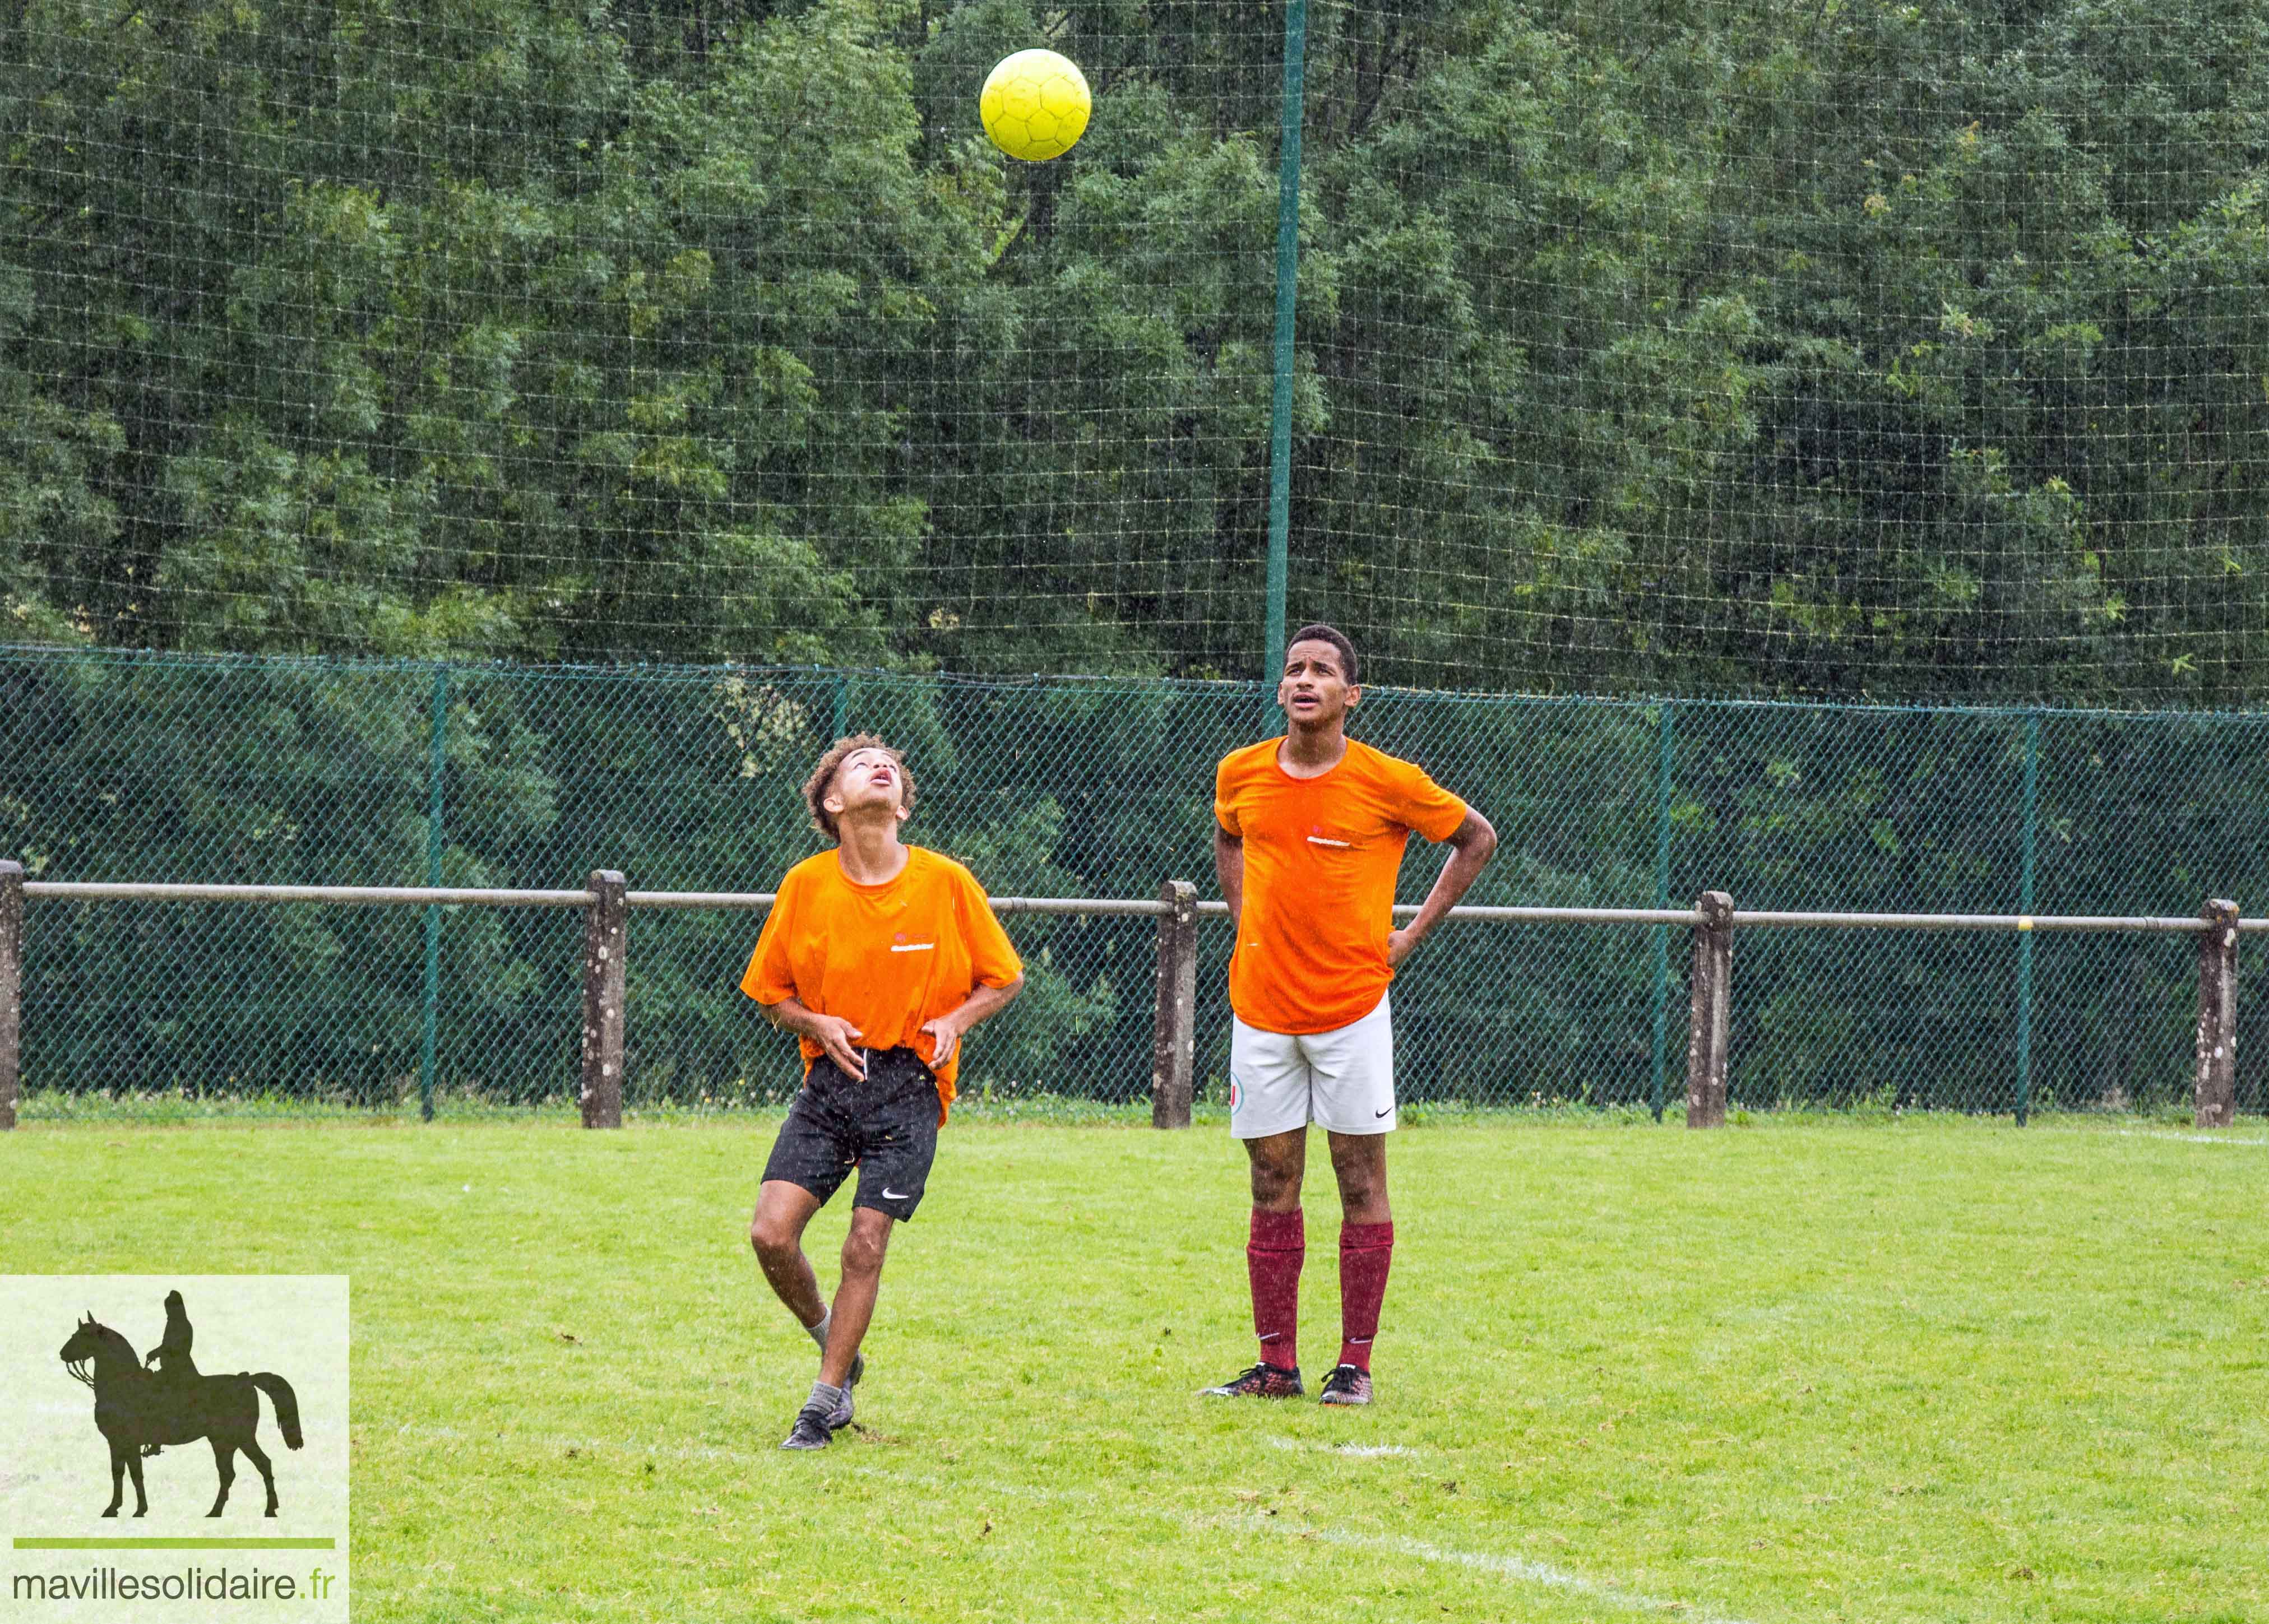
885	957
1321	855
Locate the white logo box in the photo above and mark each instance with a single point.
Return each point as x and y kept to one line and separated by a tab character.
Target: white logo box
63	1560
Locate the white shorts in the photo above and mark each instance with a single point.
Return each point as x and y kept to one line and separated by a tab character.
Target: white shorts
1341	1080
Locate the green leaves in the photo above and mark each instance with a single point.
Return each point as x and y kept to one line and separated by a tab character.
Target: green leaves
1896	350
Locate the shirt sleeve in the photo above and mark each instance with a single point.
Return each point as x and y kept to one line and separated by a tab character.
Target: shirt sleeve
1425	806
991	957
1225	805
769	978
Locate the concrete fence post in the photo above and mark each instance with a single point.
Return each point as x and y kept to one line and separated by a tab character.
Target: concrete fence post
11	990
1174	1030
605	944
2217	1100
1711	1022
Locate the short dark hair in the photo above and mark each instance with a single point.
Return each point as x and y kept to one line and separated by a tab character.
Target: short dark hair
822	780
1338	639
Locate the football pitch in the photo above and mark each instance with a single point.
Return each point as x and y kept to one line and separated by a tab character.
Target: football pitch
1793	1370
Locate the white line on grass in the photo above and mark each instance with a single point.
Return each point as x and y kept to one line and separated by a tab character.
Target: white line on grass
2197	1138
1520	1568
2187	1139
1345	1449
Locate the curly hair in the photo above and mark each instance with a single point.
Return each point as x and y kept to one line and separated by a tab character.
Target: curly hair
822	780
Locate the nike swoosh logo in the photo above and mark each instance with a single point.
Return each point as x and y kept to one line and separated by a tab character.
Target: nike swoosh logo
1344	845
889	1194
911	947
1376	1115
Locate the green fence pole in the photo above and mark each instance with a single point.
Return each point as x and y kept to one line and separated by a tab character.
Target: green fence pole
1665	750
2025	927
437	756
1288	282
842	705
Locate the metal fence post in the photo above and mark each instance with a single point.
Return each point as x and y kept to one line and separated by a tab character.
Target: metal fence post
1290	117
1666	753
605	944
2025	914
2216	1099
1174	1030
11	990
1712	1017
437	756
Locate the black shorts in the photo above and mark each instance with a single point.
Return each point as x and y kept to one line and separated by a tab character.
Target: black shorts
884	1125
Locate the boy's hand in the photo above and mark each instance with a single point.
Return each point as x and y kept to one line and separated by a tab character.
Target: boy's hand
945	1033
1400	945
833	1034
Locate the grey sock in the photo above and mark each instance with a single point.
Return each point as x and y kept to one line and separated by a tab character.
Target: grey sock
823	1398
818	1332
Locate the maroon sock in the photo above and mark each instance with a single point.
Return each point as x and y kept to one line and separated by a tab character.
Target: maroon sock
1366	1252
1273	1257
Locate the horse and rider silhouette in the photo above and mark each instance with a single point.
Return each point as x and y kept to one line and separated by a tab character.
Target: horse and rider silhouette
139	1410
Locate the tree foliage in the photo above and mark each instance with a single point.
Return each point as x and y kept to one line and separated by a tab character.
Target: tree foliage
1872	349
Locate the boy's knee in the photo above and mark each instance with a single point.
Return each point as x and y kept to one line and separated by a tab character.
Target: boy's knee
1362	1190
1276	1178
1275	1191
863	1250
773	1241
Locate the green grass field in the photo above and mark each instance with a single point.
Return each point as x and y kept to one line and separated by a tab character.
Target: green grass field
1903	1371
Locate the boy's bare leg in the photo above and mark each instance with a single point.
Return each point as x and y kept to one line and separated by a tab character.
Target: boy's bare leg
1360	1162
863	1249
776	1233
1278	1161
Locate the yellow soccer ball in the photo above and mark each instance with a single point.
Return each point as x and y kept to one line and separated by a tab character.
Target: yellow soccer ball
1034	105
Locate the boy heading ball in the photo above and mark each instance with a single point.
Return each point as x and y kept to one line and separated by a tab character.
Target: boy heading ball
879	957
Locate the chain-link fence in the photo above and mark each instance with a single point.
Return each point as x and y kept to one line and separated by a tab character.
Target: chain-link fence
139	767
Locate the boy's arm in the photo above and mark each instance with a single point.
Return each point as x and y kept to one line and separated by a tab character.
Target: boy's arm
1229	870
831	1033
998	973
1472	843
982	1004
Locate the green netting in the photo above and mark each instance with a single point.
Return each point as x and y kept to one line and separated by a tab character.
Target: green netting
1857	349
169	768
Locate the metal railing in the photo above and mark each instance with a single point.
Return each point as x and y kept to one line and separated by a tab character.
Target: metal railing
607	902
